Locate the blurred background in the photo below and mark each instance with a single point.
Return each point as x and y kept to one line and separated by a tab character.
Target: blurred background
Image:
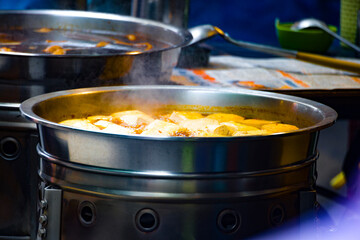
251	21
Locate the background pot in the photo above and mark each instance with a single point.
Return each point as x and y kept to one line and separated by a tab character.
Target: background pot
91	69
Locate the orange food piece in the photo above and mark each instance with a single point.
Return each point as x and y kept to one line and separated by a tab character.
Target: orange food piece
55	50
50	41
131	37
5	49
102	44
6	38
59	51
146	45
43	30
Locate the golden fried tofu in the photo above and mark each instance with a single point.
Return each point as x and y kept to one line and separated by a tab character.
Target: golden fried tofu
257	122
79	123
213	131
279	127
179	116
110	127
234	127
205	127
96	118
225	117
198	124
102	124
258	132
131	118
162	128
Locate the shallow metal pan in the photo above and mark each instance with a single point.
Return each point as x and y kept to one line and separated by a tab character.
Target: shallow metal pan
92	66
176	154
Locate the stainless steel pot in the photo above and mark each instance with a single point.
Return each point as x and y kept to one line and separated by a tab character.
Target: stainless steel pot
90	69
130	152
174	187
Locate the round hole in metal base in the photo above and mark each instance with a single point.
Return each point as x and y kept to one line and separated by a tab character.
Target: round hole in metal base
147	220
277	215
228	221
9	148
87	213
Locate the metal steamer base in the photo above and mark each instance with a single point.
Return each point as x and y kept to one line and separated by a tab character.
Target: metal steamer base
86	202
18	174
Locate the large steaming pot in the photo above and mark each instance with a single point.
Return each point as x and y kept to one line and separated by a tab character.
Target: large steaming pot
174	187
89	67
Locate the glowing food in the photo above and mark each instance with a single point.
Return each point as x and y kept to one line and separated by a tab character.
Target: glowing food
131	37
226	117
101	44
43	30
179	123
55	50
5	49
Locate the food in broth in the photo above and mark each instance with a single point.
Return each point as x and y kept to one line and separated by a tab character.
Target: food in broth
179	123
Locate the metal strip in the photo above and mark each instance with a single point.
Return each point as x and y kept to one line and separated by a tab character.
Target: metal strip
52	213
15	238
173	175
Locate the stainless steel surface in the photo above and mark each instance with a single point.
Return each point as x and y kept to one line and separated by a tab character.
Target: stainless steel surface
91	69
15	238
315	23
172	187
173	12
18	175
49	219
176	154
216	219
109	203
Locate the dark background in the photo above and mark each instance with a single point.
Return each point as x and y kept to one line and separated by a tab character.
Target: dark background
247	20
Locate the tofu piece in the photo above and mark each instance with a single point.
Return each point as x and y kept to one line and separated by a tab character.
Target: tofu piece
96	118
234	127
279	127
258	132
163	128
102	124
179	116
225	117
257	122
132	118
110	127
80	123
205	127
215	131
